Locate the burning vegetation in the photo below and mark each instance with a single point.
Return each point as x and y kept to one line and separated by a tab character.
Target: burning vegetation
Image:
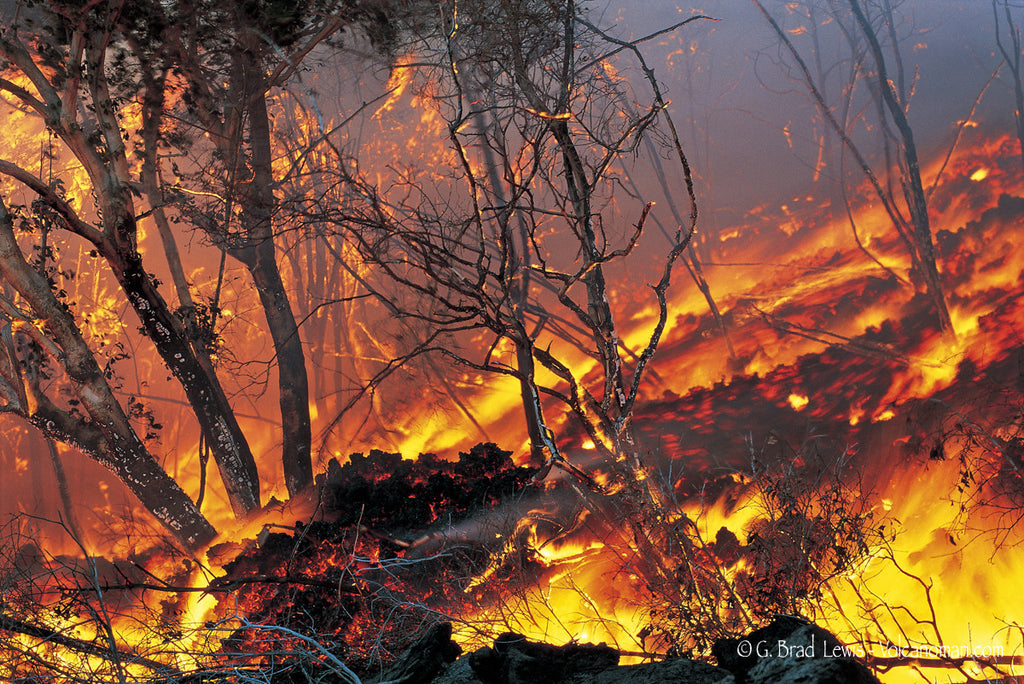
260	237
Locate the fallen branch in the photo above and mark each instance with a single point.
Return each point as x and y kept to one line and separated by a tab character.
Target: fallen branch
329	659
861	347
224	584
46	634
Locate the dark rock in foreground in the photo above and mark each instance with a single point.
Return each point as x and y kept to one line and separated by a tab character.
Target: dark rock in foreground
787	650
514	659
424	659
791	649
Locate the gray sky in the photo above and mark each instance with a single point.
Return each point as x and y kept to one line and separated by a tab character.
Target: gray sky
737	128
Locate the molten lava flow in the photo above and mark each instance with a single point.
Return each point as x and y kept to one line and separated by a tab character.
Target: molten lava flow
847	462
915	527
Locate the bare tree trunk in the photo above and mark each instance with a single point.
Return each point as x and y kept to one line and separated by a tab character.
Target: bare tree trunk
108	436
63	490
257	251
1012	56
913	188
293	381
601	323
259	257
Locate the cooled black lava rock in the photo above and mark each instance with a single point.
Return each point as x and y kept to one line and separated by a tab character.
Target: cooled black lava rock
386	492
424	659
790	649
514	660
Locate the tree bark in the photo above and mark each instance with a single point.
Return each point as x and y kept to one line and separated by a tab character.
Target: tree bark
216	418
259	257
108	436
231	451
293	381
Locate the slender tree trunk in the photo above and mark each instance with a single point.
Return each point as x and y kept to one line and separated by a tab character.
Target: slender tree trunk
63	490
291	366
515	243
531	402
259	257
602	323
913	188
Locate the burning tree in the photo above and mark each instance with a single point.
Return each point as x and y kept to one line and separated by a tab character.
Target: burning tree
511	273
182	88
522	253
509	259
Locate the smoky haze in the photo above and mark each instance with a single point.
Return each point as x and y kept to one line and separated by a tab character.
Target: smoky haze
749	126
751	133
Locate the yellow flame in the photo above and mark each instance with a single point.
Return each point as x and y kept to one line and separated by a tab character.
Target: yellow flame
798	401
